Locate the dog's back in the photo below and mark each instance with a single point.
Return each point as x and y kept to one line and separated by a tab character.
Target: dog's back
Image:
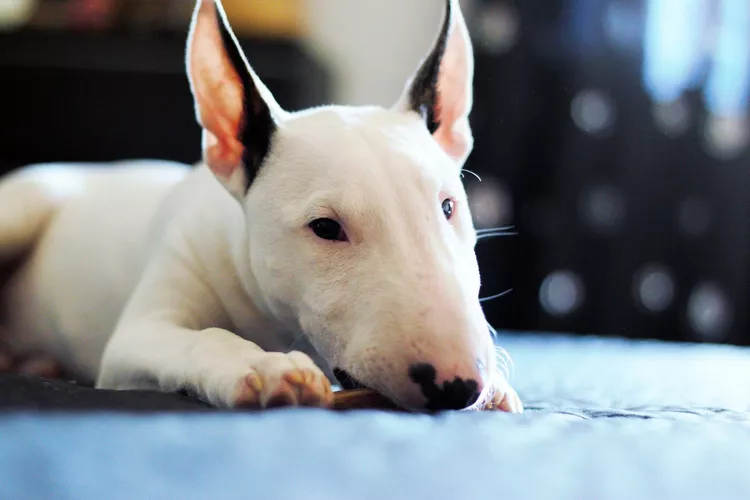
72	245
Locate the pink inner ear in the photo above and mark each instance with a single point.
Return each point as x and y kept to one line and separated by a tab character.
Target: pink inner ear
454	86
222	158
218	93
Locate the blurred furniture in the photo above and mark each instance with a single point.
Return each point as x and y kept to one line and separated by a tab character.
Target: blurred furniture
605	419
80	96
279	18
605	142
261	17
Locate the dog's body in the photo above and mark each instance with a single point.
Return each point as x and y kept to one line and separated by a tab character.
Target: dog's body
329	231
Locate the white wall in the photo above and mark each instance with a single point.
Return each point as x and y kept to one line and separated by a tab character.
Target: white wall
372	46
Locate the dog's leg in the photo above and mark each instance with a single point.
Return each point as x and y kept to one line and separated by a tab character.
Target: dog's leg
213	364
27	204
168	340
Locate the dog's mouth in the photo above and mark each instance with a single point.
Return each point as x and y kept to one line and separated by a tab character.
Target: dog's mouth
347	381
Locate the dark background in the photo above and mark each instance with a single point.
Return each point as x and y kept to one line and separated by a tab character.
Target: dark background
610	134
615	132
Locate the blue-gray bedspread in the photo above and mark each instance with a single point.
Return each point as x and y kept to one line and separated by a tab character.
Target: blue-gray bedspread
606	419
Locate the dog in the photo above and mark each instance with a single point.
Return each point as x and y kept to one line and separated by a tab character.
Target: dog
332	243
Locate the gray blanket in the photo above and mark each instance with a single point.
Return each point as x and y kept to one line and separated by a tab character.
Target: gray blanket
606	419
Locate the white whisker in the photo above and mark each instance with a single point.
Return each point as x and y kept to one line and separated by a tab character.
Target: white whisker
506	361
501	366
470	172
299	337
483	236
496	296
494	229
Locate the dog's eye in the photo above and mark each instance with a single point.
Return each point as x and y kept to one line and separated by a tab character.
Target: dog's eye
448	208
328	229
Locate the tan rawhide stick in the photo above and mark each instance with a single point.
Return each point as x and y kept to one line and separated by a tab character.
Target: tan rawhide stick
362	399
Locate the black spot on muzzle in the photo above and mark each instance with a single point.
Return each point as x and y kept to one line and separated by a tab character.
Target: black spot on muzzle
455	395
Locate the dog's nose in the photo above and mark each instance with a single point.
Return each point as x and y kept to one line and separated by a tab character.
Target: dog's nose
450	394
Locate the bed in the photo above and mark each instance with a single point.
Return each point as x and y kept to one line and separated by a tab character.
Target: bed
605	419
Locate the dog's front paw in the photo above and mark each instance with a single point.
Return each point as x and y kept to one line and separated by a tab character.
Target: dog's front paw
280	379
503	398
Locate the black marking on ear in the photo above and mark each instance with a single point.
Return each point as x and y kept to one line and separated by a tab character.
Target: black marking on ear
455	395
258	126
423	94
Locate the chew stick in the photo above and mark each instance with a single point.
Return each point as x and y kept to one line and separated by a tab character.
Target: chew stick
361	399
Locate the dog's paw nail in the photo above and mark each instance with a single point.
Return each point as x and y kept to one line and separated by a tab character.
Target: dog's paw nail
282	397
278	379
250	390
254	381
296	377
310	377
320	398
312	390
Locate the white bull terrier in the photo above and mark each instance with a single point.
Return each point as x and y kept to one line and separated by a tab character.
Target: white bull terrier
334	242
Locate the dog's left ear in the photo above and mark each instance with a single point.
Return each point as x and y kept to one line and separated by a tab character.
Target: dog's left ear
237	112
441	89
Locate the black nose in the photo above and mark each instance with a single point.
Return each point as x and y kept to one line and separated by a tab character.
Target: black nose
455	395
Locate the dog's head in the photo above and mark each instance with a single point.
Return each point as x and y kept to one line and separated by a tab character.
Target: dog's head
358	223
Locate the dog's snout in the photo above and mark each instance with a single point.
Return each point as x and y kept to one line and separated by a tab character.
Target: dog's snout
455	393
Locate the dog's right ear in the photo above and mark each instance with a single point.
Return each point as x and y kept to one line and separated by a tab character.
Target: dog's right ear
441	89
237	112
